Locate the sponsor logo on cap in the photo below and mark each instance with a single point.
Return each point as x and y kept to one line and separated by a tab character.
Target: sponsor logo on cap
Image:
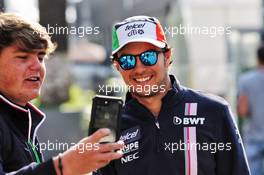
135	26
134	29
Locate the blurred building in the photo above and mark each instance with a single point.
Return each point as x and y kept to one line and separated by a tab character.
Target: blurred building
28	10
210	60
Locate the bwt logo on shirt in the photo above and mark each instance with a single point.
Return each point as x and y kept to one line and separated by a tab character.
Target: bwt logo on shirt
188	120
135	29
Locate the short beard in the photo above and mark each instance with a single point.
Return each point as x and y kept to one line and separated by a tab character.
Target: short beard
151	93
147	95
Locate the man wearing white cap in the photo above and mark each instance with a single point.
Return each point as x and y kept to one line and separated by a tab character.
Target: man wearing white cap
168	129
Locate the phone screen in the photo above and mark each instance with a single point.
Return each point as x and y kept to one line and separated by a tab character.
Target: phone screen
105	114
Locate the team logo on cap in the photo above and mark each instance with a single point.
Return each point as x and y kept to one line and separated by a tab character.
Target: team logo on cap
134	29
137	29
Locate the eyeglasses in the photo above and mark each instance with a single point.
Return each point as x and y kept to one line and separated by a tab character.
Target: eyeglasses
148	58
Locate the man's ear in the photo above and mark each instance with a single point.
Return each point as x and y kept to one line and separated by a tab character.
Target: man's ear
168	55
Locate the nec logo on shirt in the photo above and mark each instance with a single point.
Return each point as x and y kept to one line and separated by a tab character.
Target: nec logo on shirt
129	158
188	120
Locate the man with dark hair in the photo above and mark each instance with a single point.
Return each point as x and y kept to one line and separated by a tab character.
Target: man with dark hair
250	107
24	47
168	129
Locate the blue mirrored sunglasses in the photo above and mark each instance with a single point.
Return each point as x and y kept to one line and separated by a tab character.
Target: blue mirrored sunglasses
148	58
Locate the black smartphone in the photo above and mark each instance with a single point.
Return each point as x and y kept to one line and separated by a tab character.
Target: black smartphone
105	113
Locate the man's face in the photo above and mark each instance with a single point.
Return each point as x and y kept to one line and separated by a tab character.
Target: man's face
21	73
146	80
